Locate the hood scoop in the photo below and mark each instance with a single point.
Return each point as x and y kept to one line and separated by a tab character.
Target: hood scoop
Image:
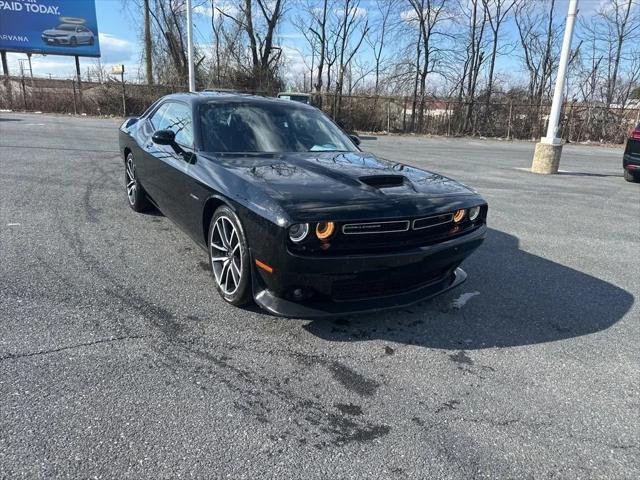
383	181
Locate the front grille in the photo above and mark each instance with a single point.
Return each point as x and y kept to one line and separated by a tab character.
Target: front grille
434	221
397	282
375	227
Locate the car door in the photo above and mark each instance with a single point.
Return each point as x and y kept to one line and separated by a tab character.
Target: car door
146	159
170	170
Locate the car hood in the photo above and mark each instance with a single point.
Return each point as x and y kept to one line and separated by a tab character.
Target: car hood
354	182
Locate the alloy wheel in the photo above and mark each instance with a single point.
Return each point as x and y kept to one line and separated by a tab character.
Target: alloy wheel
132	183
226	255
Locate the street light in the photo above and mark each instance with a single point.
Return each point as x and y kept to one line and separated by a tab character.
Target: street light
546	158
192	73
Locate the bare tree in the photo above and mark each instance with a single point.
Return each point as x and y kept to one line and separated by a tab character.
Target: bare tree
538	36
426	16
617	23
260	19
351	31
379	34
312	23
169	19
497	11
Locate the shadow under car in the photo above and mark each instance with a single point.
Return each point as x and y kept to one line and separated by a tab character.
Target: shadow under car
521	299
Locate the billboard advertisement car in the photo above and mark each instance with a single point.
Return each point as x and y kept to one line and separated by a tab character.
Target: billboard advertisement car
53	27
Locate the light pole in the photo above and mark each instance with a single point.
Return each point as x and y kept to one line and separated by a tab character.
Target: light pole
192	73
546	158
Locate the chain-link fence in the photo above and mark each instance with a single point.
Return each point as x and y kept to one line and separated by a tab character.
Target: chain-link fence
508	119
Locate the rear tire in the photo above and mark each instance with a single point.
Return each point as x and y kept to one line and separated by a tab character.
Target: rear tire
229	257
138	200
630	177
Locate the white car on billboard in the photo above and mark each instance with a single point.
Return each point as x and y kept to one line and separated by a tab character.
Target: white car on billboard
71	33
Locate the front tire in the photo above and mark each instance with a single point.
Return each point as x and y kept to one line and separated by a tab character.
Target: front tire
229	257
630	177
135	193
73	42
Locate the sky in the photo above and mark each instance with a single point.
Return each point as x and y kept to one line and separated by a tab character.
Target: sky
120	39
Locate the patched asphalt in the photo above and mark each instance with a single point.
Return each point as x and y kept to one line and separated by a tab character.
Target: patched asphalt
118	359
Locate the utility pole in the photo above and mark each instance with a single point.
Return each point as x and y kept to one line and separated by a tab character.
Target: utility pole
5	66
148	55
79	79
546	158
192	73
30	68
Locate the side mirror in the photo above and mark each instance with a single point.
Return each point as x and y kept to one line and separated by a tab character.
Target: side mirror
164	137
355	139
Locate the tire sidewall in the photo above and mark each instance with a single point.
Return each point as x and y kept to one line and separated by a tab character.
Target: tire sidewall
243	294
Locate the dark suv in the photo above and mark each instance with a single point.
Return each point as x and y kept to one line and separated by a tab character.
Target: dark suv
631	159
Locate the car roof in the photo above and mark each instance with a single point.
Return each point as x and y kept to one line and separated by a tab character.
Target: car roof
221	96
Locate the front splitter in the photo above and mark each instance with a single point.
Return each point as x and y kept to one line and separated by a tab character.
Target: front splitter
286	308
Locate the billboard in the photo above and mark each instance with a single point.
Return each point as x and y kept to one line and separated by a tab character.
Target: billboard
53	27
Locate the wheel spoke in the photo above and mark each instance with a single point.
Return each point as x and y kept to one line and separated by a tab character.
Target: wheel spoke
225	276
131	183
219	259
234	273
219	247
236	270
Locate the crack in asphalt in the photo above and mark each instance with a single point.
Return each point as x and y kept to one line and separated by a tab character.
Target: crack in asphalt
12	356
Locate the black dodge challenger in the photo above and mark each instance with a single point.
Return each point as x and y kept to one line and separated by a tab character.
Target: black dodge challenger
291	212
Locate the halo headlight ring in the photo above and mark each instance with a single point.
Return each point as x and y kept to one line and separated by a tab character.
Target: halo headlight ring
474	213
459	215
298	232
324	230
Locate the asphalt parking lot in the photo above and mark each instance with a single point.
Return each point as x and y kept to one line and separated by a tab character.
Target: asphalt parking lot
118	359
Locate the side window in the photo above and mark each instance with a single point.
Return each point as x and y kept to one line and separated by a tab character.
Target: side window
178	119
157	119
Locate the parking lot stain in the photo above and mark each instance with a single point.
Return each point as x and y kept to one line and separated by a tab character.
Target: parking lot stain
204	266
345	430
352	380
349	409
418	421
450	405
461	358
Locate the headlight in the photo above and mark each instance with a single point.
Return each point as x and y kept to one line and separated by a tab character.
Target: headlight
298	232
324	230
473	213
458	216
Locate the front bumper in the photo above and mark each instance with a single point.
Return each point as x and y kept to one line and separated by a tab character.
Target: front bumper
356	284
56	40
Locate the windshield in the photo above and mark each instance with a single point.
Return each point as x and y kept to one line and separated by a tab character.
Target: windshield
269	127
66	27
